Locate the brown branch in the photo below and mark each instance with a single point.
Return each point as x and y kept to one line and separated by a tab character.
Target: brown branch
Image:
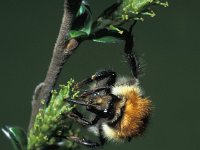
62	51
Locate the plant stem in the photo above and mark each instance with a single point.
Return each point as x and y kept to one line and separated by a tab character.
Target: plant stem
62	51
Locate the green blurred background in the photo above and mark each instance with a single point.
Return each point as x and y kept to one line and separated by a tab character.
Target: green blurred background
168	46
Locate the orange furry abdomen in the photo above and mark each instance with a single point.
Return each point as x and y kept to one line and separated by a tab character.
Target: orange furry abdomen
135	116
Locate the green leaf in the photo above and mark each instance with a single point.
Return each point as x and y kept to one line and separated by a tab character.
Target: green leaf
75	34
83	21
17	136
108	39
106	17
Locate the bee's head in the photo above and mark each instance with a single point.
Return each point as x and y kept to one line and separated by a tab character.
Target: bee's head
99	103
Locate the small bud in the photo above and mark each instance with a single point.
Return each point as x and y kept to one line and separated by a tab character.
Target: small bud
111	27
165	4
139	18
42	101
150	13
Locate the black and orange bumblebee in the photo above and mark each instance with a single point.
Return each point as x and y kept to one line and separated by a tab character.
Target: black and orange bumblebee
120	109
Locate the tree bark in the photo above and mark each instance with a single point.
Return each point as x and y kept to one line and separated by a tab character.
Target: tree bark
62	51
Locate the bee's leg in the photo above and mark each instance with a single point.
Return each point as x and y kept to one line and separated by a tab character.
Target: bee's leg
102	140
81	121
83	141
75	139
129	139
109	74
78	117
98	76
51	147
130	54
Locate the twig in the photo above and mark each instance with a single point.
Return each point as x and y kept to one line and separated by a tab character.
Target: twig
62	51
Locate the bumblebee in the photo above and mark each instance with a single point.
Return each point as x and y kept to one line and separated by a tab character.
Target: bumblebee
120	109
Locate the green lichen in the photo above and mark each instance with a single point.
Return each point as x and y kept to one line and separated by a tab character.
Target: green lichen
51	121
